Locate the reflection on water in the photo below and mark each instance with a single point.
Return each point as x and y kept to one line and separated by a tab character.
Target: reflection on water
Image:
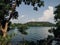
34	33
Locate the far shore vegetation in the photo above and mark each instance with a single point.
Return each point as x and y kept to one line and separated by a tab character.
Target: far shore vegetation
34	24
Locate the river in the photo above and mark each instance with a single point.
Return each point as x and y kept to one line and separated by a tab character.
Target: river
34	33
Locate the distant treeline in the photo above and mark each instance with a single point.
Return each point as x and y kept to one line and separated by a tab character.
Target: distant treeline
33	24
43	24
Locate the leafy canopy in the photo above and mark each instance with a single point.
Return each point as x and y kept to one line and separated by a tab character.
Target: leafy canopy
8	7
56	31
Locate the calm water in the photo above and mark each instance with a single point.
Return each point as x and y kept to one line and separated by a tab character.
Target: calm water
34	33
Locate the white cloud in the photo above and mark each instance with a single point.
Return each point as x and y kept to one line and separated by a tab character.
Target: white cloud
32	20
47	15
22	16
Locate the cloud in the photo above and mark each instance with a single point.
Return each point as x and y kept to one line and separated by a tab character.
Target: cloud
47	15
31	20
22	16
17	20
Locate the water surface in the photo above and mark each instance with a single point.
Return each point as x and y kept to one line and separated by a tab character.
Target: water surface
34	33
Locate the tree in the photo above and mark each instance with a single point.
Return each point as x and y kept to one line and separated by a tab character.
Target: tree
56	31
8	11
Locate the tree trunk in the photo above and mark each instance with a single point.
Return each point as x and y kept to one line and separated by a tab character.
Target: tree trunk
4	30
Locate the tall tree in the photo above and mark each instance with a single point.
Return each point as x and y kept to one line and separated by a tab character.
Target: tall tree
8	11
56	31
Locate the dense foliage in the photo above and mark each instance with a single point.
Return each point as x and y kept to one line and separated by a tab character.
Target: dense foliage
56	31
43	24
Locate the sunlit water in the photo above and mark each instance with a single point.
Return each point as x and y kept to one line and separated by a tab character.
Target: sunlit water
34	33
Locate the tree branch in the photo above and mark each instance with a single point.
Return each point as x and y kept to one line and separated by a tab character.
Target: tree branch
10	17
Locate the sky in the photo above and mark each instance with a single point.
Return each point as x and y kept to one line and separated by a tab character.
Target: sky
44	14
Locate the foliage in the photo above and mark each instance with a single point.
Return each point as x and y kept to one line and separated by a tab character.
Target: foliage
6	40
57	18
40	24
57	13
56	31
23	29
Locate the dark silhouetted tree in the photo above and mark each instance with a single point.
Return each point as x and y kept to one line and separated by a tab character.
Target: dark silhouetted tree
56	31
